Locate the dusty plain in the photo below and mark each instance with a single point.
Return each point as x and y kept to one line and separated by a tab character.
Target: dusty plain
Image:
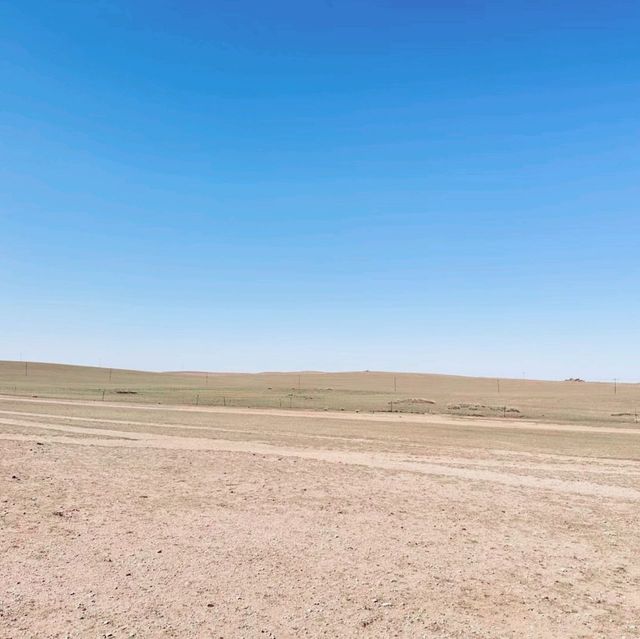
124	517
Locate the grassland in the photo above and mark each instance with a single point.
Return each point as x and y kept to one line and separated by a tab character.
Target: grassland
366	391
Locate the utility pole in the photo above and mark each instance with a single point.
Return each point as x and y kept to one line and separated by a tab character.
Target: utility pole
615	385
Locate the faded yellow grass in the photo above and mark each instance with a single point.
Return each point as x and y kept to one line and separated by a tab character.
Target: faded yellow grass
600	403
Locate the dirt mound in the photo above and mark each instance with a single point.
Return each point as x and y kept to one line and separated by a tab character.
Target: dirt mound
480	409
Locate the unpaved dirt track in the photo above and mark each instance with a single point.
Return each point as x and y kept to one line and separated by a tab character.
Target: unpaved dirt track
147	521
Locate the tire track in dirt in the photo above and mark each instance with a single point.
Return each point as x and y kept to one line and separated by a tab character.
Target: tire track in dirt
436	419
381	461
208	428
562	465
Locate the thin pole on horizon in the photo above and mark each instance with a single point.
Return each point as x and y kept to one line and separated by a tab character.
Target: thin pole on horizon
615	385
498	383
395	384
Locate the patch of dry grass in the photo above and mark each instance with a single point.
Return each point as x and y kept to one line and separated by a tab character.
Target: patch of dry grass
354	391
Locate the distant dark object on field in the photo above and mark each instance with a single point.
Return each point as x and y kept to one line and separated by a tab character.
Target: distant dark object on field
574	379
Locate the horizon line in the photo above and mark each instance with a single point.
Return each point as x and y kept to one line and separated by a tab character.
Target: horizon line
321	372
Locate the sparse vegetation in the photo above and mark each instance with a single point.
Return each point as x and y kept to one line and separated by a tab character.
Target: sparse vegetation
363	391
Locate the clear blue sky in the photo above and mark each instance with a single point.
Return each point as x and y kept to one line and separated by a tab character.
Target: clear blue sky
444	186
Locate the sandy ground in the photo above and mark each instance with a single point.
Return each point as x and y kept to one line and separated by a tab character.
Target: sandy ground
134	521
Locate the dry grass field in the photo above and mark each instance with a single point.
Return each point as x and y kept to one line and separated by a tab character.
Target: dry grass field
365	391
286	513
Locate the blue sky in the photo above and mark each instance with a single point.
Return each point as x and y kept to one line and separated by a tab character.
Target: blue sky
335	184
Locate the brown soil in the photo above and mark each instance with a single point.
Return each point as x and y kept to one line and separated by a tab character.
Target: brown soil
146	521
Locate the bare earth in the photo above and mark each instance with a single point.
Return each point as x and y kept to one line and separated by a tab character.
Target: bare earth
126	520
